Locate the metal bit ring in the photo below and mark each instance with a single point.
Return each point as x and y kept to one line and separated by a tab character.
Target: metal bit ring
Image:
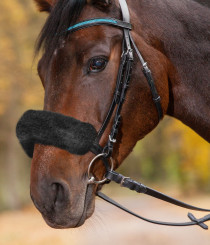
91	178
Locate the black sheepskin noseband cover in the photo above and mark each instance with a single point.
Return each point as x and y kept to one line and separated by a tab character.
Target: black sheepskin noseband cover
50	128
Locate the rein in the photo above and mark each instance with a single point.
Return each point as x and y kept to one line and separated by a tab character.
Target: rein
140	188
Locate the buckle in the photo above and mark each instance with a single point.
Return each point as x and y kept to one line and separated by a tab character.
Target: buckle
123	180
156	100
129	53
112	140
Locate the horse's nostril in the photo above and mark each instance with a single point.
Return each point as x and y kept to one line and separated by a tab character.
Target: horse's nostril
58	191
49	198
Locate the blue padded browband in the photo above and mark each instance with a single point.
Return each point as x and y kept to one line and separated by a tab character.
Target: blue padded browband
99	21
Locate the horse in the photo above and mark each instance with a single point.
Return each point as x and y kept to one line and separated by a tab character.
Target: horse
78	71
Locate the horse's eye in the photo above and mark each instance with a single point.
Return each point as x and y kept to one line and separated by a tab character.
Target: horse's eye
97	64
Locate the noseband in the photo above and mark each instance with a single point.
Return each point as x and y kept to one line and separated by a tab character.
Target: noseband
28	139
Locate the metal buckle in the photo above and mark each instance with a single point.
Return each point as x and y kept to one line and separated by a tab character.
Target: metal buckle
129	53
156	100
123	53
112	140
123	180
145	65
91	178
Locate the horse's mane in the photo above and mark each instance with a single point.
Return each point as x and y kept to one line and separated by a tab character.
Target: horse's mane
64	14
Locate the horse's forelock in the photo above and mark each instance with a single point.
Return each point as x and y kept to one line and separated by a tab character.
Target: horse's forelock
45	5
62	15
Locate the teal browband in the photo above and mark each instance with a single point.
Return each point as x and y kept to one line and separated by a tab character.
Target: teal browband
99	21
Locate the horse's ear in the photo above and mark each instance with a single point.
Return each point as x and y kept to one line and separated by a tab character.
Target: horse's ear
101	3
44	5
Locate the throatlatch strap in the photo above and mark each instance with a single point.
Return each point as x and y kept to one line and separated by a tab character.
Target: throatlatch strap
148	75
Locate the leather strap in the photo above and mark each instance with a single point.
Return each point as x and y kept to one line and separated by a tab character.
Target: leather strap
140	188
194	221
126	18
125	10
148	74
115	100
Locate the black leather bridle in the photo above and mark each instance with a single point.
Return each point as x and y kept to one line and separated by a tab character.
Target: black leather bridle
123	78
122	84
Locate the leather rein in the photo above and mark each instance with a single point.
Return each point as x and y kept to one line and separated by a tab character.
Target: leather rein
122	84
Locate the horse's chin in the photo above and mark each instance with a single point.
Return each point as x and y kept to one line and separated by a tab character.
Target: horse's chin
66	220
72	215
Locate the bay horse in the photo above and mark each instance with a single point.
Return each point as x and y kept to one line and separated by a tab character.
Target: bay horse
78	72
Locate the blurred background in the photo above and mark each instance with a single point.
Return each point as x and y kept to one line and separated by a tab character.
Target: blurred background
172	158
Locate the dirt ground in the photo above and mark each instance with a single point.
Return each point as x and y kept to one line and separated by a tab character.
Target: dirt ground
108	226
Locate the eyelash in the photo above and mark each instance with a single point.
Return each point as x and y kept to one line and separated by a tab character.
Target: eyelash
105	59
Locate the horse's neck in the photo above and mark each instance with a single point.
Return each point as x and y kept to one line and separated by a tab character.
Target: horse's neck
181	31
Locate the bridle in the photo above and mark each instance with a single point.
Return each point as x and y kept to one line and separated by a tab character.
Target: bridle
123	78
124	74
122	84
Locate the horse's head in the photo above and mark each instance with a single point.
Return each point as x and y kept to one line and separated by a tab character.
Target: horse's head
79	73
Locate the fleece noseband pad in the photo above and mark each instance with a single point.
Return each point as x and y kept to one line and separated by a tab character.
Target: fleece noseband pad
50	128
